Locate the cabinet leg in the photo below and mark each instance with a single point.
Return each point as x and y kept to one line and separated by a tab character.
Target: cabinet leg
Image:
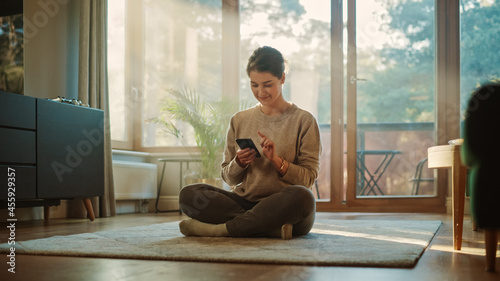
88	206
46	212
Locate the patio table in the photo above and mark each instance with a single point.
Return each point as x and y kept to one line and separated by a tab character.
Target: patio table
368	181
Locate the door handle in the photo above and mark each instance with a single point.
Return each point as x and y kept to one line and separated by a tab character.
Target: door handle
354	79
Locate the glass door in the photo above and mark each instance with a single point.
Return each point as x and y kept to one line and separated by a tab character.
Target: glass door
390	104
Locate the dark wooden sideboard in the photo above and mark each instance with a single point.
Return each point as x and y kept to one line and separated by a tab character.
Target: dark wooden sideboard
56	150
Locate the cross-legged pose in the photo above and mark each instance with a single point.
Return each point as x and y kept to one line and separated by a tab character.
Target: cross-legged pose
270	195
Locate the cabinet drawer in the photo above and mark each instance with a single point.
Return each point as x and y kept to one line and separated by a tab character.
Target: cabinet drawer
17	111
17	146
23	179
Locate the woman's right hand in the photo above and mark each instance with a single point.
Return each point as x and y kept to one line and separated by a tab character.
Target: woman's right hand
245	156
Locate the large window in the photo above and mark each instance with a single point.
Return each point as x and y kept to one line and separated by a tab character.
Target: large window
155	46
182	49
178	44
400	82
480	34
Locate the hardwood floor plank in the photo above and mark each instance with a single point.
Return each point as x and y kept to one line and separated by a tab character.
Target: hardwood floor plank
439	261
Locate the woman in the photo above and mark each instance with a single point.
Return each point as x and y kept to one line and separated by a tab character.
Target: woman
271	195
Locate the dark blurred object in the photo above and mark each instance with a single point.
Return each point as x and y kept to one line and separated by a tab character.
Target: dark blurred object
479	153
11	7
70	101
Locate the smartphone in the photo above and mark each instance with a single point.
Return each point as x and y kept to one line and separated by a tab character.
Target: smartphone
244	143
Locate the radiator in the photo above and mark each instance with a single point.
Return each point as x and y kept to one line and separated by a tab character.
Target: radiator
134	180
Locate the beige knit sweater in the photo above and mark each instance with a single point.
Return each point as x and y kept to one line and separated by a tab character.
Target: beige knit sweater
297	139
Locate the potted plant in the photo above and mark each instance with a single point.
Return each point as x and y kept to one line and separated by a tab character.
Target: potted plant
209	121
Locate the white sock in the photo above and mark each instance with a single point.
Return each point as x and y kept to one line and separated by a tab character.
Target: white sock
192	227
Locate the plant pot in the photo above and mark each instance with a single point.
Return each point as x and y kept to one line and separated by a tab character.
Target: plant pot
215	182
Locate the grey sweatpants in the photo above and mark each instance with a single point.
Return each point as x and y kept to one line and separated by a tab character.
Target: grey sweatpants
294	204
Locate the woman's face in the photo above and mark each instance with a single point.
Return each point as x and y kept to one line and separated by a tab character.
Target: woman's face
266	87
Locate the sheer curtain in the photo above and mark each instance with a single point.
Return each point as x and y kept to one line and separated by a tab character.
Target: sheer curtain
93	90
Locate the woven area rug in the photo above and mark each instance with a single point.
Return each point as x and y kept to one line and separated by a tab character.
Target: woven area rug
367	243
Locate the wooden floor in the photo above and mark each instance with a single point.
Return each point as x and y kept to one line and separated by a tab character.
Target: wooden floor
439	261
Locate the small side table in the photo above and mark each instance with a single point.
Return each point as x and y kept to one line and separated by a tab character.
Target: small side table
181	162
448	156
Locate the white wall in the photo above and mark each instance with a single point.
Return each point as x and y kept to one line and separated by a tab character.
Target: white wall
51	48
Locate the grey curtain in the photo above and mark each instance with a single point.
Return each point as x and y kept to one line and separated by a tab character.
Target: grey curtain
93	90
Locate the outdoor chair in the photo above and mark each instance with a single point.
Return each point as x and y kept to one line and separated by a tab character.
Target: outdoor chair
417	178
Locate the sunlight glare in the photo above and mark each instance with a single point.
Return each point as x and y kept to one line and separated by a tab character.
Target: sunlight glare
464	250
402	240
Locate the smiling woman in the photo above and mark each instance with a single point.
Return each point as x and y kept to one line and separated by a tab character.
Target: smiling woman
271	195
267	89
266	79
